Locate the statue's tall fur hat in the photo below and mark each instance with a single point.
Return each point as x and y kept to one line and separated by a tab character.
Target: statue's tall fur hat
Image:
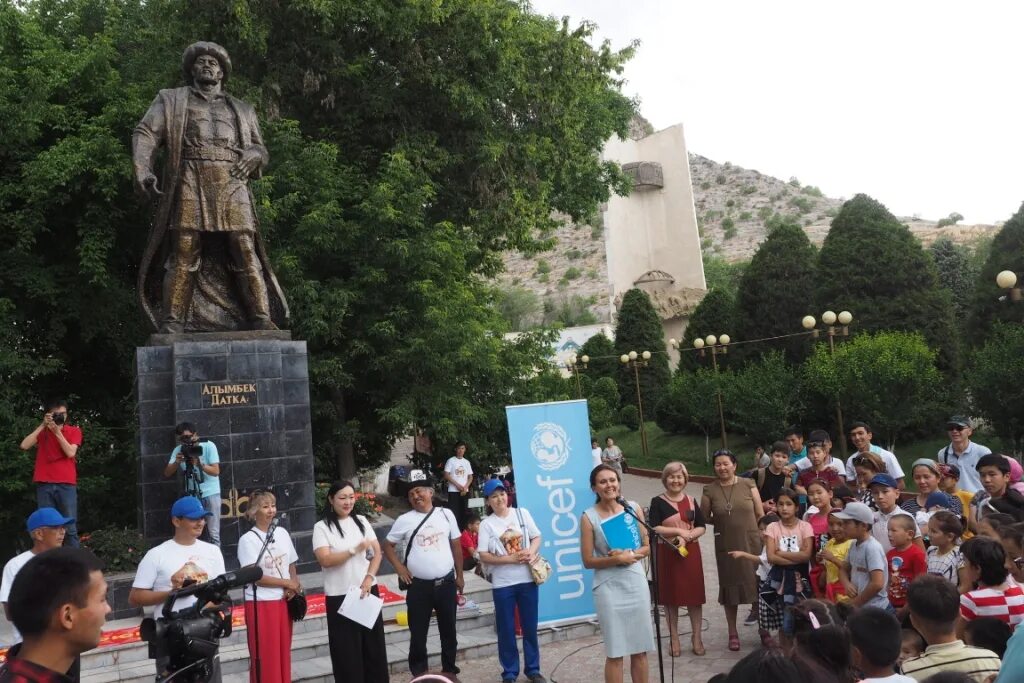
205	48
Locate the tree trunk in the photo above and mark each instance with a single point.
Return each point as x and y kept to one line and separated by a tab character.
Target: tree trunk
344	454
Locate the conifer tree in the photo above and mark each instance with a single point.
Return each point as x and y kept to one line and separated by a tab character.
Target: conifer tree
715	314
1007	253
639	329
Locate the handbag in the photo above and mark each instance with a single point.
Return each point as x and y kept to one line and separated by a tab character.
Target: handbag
540	569
402	585
297	607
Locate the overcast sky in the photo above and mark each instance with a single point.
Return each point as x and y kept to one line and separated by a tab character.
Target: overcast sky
918	104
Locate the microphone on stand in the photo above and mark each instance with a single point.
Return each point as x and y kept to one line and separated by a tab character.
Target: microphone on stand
680	548
274	524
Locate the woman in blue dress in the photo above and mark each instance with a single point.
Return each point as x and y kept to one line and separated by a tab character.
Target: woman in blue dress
621	595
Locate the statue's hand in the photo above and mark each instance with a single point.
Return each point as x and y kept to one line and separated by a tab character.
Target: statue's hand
150	187
250	162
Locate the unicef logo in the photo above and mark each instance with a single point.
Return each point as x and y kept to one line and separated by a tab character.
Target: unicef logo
550	445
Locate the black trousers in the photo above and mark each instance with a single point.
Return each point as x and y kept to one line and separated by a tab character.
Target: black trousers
422	598
459	505
358	654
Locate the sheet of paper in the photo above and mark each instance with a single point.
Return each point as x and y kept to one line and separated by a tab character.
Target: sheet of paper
362	611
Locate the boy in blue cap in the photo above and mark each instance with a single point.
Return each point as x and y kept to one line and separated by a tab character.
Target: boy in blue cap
46	527
886	494
178	562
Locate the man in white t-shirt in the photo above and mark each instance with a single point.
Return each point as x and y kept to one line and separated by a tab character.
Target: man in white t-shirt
860	437
46	527
174	564
458	472
595	453
432	567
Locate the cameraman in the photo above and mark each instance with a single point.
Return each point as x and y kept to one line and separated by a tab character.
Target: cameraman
200	462
56	475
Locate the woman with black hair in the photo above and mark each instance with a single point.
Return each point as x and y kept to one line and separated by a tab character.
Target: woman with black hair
349	553
772	665
997	594
821	639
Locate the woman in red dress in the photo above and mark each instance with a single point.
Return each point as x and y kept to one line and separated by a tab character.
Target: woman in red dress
677	516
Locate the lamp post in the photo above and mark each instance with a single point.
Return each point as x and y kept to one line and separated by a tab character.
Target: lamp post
636	361
1007	279
574	365
844	318
716	345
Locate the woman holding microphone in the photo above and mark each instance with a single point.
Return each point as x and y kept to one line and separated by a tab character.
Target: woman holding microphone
349	553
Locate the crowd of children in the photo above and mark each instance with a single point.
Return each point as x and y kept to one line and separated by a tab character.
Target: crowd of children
858	587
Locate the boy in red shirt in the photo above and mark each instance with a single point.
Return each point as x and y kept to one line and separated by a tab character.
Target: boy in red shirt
906	561
469	540
56	476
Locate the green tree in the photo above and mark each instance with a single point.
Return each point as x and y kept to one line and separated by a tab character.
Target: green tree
957	273
776	291
1006	253
604	362
763	398
519	307
996	382
875	268
714	314
888	379
411	144
722	274
690	404
638	328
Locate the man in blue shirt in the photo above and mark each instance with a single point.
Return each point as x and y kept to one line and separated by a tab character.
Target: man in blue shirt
795	440
200	462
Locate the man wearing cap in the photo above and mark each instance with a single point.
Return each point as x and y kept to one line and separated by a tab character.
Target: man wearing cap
56	471
46	527
963	453
886	494
178	562
865	574
214	147
860	436
431	565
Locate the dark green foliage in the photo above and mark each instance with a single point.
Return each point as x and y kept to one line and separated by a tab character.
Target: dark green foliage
690	405
629	417
875	268
996	382
119	548
957	273
600	414
722	274
763	398
521	308
951	219
638	328
604	362
776	292
715	314
1006	253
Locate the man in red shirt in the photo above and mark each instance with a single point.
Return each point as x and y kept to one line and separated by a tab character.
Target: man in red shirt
56	475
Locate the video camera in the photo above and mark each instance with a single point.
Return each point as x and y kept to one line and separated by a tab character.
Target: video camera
191	447
189	637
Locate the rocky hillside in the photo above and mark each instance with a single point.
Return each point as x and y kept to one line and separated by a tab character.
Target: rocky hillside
569	283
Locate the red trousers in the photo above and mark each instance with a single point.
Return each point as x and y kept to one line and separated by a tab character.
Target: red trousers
275	641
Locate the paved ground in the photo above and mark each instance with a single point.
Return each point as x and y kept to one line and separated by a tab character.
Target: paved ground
575	662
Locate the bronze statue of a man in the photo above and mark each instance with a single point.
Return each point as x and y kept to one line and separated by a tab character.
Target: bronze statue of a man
216	275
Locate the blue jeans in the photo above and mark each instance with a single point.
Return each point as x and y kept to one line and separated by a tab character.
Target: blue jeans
212	504
506	600
63	497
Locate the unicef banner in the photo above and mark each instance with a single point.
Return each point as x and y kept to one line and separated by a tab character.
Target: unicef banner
552	462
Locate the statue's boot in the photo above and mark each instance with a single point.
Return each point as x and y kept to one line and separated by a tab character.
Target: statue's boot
178	286
257	302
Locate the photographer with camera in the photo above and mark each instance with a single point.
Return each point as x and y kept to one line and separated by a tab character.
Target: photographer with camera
56	475
177	563
199	461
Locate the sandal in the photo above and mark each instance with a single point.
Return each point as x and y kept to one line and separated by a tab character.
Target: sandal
675	649
698	646
734	642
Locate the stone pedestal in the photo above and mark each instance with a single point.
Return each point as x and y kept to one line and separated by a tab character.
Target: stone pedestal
248	393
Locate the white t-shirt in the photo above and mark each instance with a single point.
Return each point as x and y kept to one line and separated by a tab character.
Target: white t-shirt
595	456
895	678
504	536
430	552
892	465
460	469
880	529
833	464
275	562
11	570
162	562
339	578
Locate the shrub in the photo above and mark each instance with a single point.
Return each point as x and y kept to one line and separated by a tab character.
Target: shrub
543	267
120	549
629	417
596	232
543	277
592	274
721	179
813	191
748	189
730	203
746	216
572	273
802	204
573	254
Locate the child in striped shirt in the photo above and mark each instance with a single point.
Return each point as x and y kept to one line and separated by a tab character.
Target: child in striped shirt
997	594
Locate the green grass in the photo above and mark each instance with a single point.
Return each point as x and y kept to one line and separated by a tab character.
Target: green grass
694	450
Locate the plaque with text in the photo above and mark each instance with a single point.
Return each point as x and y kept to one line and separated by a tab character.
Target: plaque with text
217	395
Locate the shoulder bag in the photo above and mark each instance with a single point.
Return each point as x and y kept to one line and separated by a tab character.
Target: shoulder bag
540	569
402	585
297	604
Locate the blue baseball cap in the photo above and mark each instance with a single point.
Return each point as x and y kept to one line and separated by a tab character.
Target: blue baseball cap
938	498
46	517
189	507
492	485
883	480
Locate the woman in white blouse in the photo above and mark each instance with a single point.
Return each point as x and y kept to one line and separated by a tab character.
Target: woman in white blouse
349	553
266	617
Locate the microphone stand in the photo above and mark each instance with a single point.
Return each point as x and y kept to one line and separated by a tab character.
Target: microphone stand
654	580
257	662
